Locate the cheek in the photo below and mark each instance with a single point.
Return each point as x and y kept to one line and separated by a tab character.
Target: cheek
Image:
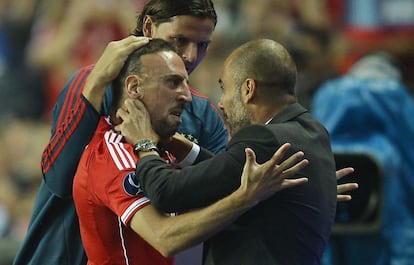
159	32
201	54
227	102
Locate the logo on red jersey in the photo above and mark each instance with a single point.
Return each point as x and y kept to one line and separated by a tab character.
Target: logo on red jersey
131	185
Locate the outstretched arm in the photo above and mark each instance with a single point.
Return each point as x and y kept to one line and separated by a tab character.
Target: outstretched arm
170	235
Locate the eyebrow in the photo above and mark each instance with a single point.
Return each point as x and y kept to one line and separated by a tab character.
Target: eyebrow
190	39
175	76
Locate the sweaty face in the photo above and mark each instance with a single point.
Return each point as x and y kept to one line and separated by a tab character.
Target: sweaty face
234	110
165	91
190	34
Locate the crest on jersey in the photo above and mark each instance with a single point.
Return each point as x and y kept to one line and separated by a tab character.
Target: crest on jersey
131	185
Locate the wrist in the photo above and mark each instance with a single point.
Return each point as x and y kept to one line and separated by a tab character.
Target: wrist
144	146
244	197
94	92
240	201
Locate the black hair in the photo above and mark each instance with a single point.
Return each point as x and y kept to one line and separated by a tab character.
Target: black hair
163	10
133	65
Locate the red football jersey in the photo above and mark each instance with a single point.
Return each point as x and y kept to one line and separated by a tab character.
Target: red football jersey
106	197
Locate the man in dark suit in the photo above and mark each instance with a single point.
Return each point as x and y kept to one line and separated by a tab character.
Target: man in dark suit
261	111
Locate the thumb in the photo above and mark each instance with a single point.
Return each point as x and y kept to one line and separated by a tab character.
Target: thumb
117	127
250	157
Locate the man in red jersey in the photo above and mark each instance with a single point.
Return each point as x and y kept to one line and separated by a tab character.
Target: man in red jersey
117	222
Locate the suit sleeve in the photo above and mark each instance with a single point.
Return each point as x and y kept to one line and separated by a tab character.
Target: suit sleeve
74	121
204	154
179	190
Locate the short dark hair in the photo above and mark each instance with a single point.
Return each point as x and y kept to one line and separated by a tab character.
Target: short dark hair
133	65
163	10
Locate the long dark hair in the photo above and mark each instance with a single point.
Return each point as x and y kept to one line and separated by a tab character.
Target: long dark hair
163	10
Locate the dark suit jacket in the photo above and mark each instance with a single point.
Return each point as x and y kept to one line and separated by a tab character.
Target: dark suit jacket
292	227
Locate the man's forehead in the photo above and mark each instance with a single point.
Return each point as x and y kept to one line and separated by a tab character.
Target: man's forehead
159	58
165	62
188	26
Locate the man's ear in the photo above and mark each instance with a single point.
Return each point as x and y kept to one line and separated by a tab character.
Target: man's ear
147	26
134	87
248	90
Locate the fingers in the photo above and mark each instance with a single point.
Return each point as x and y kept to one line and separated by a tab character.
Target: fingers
346	187
131	43
278	155
289	183
286	169
131	108
121	113
250	157
343	198
289	167
136	43
272	163
250	160
132	105
344	172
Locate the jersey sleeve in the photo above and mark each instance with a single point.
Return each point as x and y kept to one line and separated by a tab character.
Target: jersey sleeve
217	138
203	124
121	194
117	186
74	121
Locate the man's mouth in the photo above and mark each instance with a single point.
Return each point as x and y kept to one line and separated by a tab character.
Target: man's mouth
176	113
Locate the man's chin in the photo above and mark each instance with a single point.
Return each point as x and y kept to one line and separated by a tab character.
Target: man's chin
166	134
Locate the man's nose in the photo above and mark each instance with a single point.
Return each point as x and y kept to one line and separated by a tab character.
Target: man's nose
185	94
220	104
189	53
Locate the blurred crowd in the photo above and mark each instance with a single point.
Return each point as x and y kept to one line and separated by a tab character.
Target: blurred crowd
42	43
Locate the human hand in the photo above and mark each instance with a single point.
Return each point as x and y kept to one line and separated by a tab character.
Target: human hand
260	181
342	188
114	56
109	66
136	122
178	145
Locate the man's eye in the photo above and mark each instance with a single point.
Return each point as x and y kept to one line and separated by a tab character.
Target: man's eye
180	41
173	82
203	45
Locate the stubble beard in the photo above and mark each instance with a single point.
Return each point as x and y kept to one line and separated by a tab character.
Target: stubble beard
164	128
238	120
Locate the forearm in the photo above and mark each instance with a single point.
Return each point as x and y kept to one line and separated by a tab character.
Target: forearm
197	226
172	190
70	136
170	235
94	90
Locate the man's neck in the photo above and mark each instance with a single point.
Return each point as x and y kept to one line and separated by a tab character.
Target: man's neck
264	114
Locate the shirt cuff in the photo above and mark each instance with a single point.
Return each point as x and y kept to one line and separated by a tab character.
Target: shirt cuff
191	157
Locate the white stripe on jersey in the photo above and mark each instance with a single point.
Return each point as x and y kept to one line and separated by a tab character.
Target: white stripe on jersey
121	235
132	207
121	157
